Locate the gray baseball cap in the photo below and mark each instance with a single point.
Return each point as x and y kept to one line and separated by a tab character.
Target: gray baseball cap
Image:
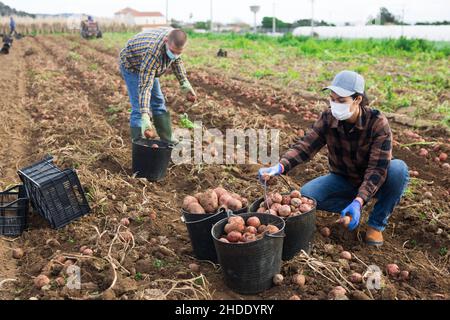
347	83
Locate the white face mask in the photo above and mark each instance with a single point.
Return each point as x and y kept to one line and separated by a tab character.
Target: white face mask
170	54
340	111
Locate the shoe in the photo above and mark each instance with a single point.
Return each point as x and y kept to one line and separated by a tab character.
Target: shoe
374	237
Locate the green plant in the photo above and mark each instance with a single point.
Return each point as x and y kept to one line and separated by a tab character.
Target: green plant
138	276
73	56
159	263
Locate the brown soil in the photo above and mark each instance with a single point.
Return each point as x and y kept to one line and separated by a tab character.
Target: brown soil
65	106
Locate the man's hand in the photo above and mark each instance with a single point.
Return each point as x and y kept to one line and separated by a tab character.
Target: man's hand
147	125
265	174
354	211
189	91
190	97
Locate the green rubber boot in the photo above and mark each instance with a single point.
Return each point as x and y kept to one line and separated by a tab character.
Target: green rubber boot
163	127
135	133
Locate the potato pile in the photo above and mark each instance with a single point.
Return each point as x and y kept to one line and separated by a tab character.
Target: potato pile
213	199
239	231
285	206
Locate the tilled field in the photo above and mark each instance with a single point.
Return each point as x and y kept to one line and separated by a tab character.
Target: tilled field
65	97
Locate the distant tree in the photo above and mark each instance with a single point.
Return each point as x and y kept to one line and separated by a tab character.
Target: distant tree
384	17
202	25
267	23
307	23
8	11
434	23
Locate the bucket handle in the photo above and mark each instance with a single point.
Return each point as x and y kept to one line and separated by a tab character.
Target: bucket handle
201	220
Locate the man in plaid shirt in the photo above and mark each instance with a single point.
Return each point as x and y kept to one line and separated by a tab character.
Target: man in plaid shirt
359	142
144	59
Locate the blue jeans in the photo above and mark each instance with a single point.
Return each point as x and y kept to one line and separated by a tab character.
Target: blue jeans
334	193
157	102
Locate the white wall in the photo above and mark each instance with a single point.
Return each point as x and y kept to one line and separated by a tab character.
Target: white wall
149	20
435	33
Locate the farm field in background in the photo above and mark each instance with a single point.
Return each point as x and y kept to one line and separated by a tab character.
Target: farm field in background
69	100
403	76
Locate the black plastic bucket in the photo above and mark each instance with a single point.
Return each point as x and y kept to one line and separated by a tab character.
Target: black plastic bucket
248	268
199	229
149	162
299	230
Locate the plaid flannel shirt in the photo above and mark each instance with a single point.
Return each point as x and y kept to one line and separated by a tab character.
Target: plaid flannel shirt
145	54
362	155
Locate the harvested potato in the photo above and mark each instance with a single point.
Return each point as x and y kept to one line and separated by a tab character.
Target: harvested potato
284	211
220	192
254	222
276	197
236	219
188	200
234	226
234	236
209	201
286	199
195	207
234	204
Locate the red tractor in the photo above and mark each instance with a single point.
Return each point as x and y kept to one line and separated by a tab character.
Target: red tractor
90	29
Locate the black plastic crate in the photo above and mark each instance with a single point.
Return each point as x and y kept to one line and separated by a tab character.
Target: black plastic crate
56	195
13	211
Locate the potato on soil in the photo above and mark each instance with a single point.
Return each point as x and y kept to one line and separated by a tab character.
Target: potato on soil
18	253
41	281
337	293
299	280
277	279
325	232
392	269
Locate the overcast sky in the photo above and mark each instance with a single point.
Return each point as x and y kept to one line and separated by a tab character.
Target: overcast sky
238	10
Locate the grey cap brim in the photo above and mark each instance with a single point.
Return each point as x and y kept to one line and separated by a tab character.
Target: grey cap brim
339	91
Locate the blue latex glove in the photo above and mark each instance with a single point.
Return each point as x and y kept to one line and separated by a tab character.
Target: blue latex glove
276	170
354	210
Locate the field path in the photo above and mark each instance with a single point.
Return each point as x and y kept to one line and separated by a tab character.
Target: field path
14	130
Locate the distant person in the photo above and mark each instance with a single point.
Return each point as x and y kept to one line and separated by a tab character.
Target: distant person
144	59
12	26
359	143
90	19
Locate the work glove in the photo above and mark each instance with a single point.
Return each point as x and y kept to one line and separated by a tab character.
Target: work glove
276	170
189	91
146	124
354	210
